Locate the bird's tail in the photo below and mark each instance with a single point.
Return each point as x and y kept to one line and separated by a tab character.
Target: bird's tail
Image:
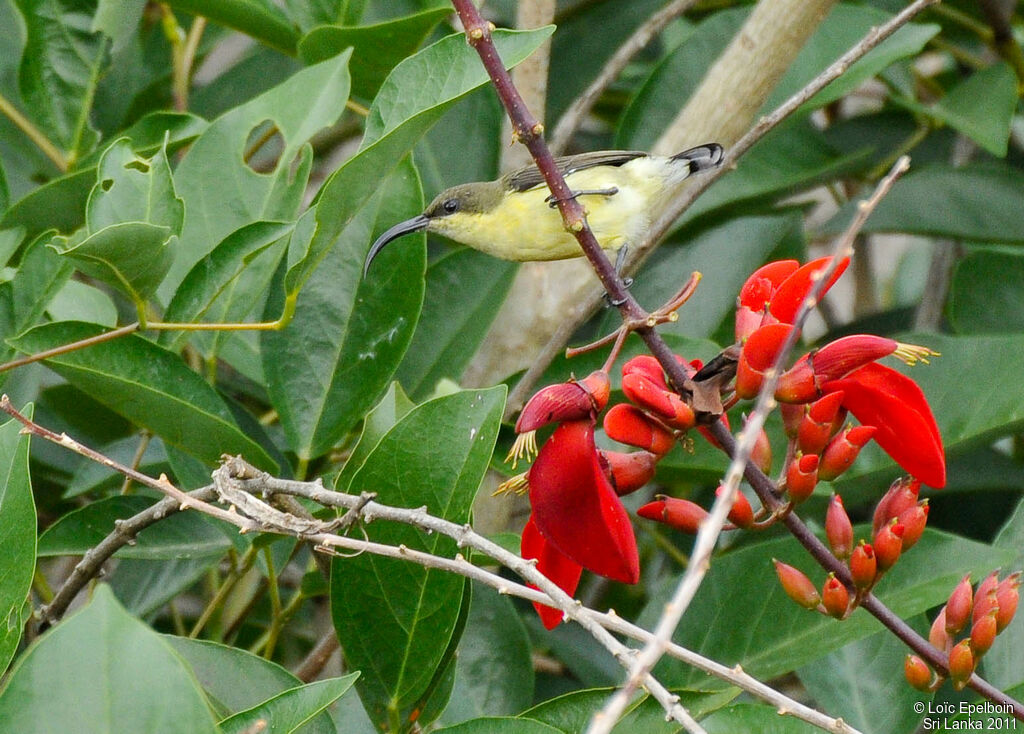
702	157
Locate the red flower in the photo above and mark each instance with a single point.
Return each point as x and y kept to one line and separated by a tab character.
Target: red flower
576	508
774	292
564	572
893	403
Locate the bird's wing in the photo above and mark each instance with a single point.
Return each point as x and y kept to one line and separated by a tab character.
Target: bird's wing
528	177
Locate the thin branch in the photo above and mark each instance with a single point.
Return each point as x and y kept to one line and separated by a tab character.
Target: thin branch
124	533
587	305
314	662
643	35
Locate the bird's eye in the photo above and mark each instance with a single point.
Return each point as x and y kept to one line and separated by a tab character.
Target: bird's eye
450	206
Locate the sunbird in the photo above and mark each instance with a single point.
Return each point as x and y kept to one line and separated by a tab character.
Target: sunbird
514	218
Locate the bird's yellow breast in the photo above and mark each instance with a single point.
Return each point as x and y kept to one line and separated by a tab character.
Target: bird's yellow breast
524	227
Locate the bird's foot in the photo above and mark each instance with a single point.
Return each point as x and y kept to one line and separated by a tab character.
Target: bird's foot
620	262
553	201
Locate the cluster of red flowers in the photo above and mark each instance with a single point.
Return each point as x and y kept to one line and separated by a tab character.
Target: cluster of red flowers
899	521
577	519
989	610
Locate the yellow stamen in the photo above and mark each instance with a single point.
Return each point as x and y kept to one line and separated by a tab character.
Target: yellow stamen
519	484
525	447
911	354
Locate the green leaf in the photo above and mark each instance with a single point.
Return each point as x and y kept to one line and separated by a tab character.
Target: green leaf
226	284
290	711
84	302
750	718
978	203
413	98
845	25
222	192
494	667
500	725
235	680
23	300
987	293
348	333
130	188
180	535
59	69
982	107
863	683
391	408
84	693
395	620
376	49
149	386
455	317
780	636
132	256
144	587
572	712
261	19
17	535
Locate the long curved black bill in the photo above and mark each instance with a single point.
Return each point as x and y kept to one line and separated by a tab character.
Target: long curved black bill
415	224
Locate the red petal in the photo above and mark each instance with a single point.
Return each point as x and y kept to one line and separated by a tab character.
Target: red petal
794	289
561	570
561	402
758	354
893	403
837	359
575	506
757	290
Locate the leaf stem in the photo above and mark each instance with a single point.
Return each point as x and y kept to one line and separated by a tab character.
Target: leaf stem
225	588
34	134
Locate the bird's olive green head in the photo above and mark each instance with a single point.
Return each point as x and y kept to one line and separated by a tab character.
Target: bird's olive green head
446	214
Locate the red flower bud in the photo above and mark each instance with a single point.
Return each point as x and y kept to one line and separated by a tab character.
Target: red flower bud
913	522
796	585
835	597
938	635
566	401
1007	596
838	529
815	429
863	566
902	495
888	543
918	674
797	384
758	355
645	394
761	454
629	425
841	357
842	451
985	596
792	414
961	664
680	514
629	472
958	608
801	478
983	633
742	514
763	282
649	367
